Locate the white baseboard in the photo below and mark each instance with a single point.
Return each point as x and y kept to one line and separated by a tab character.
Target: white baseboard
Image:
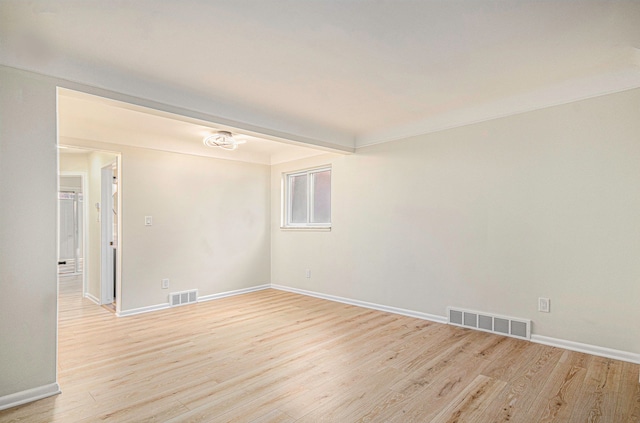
587	348
553	342
29	395
92	298
380	307
232	293
148	309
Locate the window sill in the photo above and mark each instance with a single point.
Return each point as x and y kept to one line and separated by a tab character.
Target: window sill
306	228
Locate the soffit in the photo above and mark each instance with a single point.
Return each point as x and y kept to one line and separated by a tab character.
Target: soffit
91	118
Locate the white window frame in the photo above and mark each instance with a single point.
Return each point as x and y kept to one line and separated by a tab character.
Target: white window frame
287	179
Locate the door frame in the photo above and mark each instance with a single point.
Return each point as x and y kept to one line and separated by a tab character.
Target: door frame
106	227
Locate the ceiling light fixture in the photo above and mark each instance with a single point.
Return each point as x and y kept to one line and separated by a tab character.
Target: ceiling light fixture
222	139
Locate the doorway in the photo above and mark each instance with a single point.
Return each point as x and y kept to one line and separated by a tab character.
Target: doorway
109	234
71	221
83	213
70	202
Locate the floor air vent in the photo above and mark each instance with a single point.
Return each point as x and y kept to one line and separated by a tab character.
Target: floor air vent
509	326
184	297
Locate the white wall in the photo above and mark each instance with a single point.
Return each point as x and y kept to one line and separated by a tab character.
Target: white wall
211	229
210	224
489	217
28	184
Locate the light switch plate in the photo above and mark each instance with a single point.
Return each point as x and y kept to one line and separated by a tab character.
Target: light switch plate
148	220
544	305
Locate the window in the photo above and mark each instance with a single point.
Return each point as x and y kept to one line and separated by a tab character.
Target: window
307	198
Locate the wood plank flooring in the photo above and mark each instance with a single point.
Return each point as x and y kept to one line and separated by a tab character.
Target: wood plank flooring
273	356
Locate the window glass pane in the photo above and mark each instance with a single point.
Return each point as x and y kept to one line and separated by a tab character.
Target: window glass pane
322	197
298	198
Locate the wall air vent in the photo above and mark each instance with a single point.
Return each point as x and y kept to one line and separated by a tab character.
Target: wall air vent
487	322
183	297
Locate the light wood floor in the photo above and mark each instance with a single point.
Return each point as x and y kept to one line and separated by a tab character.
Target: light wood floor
272	356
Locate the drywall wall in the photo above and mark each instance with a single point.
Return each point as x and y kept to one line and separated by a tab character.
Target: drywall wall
210	224
489	217
28	319
210	218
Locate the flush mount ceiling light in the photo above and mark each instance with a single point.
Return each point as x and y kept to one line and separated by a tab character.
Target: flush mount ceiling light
222	139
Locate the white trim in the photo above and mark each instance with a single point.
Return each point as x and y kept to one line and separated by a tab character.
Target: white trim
233	293
157	307
29	395
107	275
92	298
306	228
287	205
587	348
545	340
539	339
147	309
118	294
358	303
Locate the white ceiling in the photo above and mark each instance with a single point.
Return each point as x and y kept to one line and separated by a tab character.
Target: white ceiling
344	72
87	117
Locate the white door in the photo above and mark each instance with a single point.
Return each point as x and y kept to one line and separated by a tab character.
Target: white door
108	238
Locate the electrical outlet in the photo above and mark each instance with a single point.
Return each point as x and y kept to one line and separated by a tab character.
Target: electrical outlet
307	273
165	283
544	305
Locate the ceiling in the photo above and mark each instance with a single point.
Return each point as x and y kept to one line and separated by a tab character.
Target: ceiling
91	118
347	73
